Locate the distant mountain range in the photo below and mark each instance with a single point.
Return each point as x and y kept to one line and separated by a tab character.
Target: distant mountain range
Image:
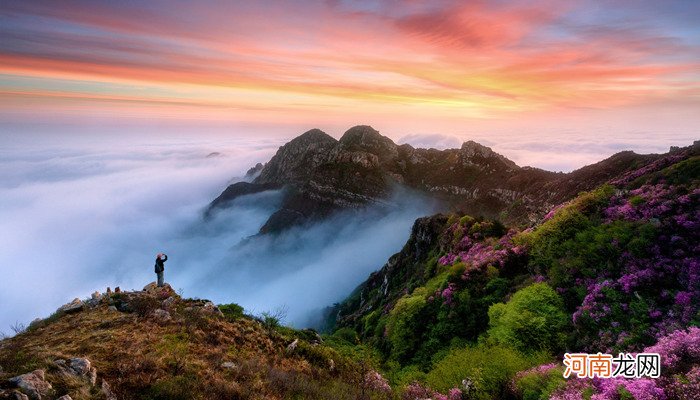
321	175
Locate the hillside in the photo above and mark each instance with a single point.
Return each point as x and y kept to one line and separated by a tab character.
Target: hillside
615	269
153	344
321	175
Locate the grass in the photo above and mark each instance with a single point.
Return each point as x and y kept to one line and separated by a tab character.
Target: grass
144	358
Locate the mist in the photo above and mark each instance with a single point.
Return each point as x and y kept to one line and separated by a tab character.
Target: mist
79	218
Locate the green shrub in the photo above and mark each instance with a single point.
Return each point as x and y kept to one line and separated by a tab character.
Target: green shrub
534	319
231	311
347	335
405	326
488	368
539	383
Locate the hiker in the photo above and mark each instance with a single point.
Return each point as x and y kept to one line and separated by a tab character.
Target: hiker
160	267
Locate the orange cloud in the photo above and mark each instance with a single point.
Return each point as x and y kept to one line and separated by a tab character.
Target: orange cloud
450	59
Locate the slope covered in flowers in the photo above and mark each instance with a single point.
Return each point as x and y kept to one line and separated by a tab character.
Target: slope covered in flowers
489	311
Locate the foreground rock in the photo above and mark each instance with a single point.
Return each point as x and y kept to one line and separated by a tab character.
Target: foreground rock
73	307
33	384
80	368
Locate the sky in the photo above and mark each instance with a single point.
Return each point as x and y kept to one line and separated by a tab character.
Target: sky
617	72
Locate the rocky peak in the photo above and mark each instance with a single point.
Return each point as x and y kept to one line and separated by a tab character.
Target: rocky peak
321	175
311	137
472	151
296	160
366	139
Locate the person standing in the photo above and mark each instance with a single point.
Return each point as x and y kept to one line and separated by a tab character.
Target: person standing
160	267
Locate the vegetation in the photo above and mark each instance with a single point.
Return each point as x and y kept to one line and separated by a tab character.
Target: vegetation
615	269
482	311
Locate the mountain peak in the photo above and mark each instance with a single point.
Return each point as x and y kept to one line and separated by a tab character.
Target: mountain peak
312	136
471	149
366	138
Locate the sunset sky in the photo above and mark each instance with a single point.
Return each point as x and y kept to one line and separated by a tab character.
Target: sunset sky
464	68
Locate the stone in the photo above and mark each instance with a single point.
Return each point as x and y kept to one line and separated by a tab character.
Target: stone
112	308
109	290
229	365
168	303
117	290
65	397
80	367
150	287
33	384
96	295
211	308
161	315
107	391
73	307
292	346
20	396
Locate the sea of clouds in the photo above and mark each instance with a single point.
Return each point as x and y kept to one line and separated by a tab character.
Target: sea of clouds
81	217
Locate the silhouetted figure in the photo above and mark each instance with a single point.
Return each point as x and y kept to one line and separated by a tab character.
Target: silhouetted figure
160	267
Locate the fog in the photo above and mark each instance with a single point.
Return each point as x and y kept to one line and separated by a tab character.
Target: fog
79	218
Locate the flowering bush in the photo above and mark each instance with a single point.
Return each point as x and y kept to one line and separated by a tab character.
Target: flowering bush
416	391
374	381
654	286
680	368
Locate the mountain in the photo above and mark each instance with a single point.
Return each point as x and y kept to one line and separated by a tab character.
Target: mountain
470	308
321	175
474	307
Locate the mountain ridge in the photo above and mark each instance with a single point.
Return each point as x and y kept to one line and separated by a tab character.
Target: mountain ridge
322	175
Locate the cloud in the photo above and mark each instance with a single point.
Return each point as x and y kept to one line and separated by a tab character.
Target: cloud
78	219
307	268
460	61
431	140
81	218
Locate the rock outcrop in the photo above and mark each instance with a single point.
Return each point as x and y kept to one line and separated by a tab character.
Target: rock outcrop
33	385
80	368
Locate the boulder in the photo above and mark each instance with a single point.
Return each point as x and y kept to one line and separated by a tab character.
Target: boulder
161	315
293	346
150	287
211	308
33	384
73	307
168	303
20	396
80	367
153	289
229	365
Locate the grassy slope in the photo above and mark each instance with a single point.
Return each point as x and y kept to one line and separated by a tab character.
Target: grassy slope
143	357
